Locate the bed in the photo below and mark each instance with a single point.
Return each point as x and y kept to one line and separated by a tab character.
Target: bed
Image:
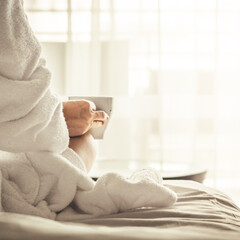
200	213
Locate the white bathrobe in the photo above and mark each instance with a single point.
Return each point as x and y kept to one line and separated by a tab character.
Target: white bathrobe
39	174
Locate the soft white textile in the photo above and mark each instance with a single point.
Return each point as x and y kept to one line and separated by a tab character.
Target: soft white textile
113	193
39	174
39	183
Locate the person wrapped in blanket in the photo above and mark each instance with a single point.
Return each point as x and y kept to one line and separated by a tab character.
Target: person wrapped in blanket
46	147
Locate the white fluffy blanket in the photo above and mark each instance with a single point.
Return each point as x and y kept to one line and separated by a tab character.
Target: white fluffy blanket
39	174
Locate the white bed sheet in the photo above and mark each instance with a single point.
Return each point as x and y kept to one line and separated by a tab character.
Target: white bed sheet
200	213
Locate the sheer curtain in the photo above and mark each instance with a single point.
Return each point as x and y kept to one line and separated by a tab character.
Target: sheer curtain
173	67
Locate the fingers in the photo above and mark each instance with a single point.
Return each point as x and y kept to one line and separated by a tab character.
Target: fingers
97	124
92	105
99	119
100	116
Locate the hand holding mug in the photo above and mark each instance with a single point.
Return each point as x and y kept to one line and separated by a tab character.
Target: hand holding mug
81	116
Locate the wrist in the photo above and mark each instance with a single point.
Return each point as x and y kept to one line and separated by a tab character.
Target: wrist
85	147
